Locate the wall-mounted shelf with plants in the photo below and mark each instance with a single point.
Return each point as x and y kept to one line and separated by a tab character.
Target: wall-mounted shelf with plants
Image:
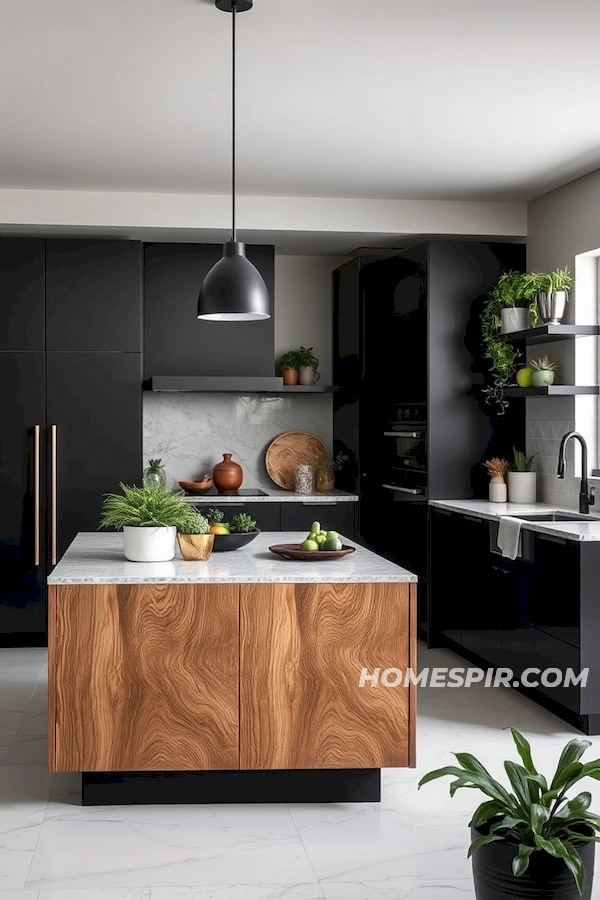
524	307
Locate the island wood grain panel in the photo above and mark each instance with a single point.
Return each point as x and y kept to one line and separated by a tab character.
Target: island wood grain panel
144	677
303	647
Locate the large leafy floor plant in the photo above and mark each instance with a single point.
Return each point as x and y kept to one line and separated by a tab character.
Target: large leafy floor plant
536	816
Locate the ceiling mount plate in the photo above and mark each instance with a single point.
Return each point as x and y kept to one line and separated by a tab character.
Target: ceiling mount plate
240	5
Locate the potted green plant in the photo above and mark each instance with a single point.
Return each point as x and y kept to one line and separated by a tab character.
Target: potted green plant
510	306
521	480
514	301
532	841
552	293
149	518
307	365
195	540
289	367
543	371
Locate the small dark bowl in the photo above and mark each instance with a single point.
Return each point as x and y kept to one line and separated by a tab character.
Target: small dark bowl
234	541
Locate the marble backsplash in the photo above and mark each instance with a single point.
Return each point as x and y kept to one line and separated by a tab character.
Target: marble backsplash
190	432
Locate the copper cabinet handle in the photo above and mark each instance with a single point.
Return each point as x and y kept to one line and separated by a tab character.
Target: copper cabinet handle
36	495
53	495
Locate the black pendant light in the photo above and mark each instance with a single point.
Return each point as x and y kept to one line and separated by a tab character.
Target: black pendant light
234	289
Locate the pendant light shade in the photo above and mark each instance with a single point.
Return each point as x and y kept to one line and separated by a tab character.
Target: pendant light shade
234	289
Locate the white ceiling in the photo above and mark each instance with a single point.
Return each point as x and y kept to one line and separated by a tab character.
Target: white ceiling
338	98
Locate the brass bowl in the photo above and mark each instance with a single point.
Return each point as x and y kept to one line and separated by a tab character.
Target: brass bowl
196	547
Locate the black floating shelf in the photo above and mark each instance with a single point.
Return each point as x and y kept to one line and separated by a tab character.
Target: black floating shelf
547	334
553	390
310	388
233	385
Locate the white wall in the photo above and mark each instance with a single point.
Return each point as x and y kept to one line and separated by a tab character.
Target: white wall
563	228
303	310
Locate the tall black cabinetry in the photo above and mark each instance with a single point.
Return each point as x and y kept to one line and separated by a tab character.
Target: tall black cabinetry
70	364
406	359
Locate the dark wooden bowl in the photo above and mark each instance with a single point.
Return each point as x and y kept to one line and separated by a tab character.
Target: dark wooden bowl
196	487
224	542
293	551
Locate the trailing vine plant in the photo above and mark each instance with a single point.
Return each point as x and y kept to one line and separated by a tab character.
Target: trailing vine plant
512	289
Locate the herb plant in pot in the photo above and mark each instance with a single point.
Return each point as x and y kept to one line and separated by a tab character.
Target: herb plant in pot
195	540
149	518
513	296
289	367
530	840
307	365
521	480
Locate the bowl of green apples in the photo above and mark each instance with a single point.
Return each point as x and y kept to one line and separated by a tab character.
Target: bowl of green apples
319	545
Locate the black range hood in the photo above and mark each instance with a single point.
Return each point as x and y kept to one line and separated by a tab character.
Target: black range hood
215	383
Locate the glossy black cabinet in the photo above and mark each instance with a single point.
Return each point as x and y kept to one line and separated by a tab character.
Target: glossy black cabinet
22	308
22	563
173	274
95	405
93	295
332	516
536	613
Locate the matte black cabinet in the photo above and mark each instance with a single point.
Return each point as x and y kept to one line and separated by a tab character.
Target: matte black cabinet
95	404
22	514
61	310
22	308
173	275
93	295
266	515
332	516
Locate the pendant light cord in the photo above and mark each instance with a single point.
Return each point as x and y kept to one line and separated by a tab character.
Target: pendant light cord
233	223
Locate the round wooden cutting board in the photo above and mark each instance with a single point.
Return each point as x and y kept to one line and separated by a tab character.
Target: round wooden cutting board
289	450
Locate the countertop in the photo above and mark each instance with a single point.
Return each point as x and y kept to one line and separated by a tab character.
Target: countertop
275	495
483	509
96	558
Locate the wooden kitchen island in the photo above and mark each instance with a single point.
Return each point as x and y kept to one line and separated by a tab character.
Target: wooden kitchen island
235	679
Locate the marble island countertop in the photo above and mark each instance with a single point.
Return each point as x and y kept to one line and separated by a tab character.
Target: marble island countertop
483	509
274	495
96	558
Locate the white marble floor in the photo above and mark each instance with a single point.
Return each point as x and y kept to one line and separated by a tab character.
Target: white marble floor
411	845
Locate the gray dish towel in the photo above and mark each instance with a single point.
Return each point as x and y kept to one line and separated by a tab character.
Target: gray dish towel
509	537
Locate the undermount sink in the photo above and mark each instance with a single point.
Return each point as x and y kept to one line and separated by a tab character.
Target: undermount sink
555	517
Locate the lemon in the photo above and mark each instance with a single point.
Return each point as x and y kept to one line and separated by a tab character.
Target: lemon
524	377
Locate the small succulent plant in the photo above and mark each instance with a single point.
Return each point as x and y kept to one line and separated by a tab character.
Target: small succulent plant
242	524
215	516
543	364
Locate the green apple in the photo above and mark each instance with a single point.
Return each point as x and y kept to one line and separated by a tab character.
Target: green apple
309	545
312	536
332	535
321	538
524	376
315	527
332	544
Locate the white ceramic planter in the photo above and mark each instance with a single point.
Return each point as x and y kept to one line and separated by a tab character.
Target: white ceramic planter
307	375
498	492
515	318
521	487
149	544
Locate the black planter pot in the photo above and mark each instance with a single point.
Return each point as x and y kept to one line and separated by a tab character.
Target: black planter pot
547	878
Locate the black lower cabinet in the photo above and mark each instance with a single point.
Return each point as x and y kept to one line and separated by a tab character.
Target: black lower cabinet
537	616
300	515
22	568
95	406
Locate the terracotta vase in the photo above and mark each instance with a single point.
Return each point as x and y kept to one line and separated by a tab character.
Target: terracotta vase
227	475
290	376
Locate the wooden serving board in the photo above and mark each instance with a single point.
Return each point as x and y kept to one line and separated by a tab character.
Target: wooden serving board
289	450
293	551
